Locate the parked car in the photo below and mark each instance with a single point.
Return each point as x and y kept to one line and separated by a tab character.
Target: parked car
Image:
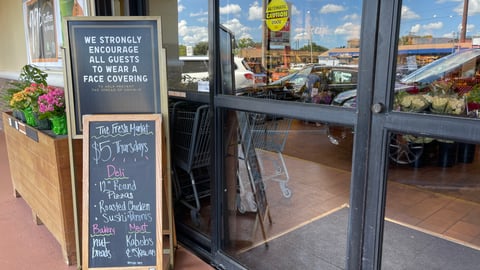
330	81
195	69
297	66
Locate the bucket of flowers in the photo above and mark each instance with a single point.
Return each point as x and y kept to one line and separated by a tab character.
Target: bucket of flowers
28	75
445	100
26	101
472	99
51	105
407	102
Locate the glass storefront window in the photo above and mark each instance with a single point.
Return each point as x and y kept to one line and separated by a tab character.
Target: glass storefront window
287	188
438	60
304	42
432	204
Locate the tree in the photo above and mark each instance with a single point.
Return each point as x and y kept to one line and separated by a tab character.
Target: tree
315	48
246	43
201	48
182	50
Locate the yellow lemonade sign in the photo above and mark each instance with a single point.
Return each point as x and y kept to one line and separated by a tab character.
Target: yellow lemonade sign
276	15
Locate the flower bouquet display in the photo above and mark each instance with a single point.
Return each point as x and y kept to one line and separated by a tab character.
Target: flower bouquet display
19	94
26	101
51	105
445	100
412	102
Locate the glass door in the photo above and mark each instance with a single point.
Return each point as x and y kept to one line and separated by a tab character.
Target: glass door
431	214
331	137
284	151
414	162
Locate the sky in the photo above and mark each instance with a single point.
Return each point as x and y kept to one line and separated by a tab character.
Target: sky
329	23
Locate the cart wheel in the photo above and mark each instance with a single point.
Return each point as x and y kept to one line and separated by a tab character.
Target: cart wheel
251	202
287	193
195	215
240	206
404	152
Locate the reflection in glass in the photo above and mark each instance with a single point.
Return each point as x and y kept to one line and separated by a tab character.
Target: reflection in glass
309	56
432	205
287	187
437	68
191	158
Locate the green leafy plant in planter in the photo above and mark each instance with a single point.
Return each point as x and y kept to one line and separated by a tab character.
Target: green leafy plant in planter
29	75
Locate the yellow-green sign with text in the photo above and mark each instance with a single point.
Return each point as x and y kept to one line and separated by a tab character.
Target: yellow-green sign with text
276	15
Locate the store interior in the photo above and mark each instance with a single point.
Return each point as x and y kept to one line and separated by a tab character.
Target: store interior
437	199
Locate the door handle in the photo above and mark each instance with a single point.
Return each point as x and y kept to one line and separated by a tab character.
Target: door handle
377	108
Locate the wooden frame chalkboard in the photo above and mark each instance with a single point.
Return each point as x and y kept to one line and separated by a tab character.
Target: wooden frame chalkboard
122	192
113	65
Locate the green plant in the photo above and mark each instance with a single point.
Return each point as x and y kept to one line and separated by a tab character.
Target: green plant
28	97
28	75
474	94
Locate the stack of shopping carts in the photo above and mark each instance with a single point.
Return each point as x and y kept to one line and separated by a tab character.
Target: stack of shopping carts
190	124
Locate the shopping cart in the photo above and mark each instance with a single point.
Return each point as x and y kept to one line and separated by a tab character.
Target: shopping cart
257	133
268	133
191	155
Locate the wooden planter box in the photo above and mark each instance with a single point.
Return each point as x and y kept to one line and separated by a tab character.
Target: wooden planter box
40	172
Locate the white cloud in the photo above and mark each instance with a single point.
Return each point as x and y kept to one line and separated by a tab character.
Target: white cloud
255	12
426	29
191	35
301	36
433	26
352	17
408	14
349	30
199	13
473	8
415	29
240	30
331	8
230	9
181	8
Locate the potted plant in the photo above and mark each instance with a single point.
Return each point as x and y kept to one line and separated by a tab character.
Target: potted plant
27	101
51	105
28	75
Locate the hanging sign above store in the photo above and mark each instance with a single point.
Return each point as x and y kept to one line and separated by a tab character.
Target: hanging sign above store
276	15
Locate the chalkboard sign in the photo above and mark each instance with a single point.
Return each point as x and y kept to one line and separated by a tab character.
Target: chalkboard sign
122	186
113	66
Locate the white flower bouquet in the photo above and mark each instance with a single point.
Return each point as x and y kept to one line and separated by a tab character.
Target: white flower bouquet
412	103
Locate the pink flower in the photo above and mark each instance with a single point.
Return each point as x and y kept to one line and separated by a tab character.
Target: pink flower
52	103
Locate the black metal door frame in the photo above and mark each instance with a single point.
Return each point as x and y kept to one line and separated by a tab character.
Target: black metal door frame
373	120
